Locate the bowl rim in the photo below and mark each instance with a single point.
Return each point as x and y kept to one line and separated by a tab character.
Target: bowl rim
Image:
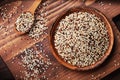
110	33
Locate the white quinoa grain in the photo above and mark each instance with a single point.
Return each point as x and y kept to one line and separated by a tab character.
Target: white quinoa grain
110	4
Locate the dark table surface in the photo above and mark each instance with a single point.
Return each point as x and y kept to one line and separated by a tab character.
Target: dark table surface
5	73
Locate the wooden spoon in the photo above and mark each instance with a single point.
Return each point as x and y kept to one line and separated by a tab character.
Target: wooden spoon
34	6
89	10
89	2
32	11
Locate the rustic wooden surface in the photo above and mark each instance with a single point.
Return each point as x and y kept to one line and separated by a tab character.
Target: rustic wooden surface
11	43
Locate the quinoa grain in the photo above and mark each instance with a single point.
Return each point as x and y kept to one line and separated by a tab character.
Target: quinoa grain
38	28
24	22
34	64
81	39
40	25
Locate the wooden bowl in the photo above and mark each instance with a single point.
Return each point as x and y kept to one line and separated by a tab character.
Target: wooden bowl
89	10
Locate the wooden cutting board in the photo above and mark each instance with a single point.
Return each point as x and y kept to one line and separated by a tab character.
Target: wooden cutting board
12	44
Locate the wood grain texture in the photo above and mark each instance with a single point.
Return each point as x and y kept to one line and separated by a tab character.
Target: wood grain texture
11	43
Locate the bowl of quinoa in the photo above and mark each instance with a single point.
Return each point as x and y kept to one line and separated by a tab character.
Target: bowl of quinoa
81	39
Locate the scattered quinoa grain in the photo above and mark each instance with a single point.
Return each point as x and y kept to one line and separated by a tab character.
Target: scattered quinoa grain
40	25
34	63
110	4
38	28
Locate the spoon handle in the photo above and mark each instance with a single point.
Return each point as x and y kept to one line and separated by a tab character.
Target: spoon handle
34	6
89	2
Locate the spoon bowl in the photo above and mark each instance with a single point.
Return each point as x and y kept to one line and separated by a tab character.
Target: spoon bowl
31	10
